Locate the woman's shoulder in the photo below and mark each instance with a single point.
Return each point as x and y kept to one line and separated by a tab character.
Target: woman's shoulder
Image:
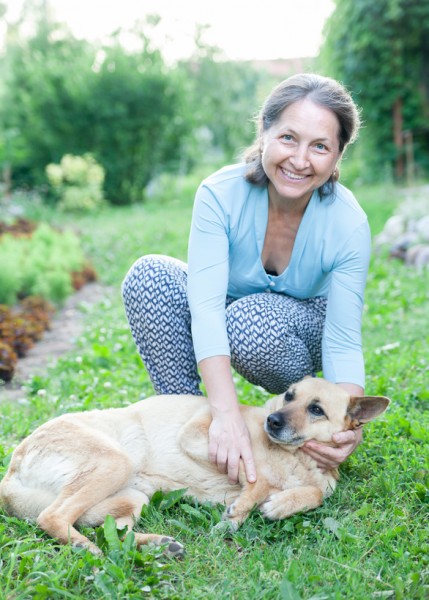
229	188
228	175
342	210
345	201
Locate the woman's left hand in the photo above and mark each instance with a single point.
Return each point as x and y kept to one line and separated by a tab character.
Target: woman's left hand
328	457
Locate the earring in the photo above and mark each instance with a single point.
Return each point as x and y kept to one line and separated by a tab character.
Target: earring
335	174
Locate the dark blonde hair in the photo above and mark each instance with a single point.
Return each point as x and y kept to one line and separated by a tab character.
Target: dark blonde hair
325	91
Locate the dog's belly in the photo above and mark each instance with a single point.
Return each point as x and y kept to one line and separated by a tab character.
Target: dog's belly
213	487
172	469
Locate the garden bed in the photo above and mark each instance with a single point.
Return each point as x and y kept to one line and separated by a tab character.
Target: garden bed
40	267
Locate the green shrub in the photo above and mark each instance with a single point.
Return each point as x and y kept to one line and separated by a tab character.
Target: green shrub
78	183
39	265
10	277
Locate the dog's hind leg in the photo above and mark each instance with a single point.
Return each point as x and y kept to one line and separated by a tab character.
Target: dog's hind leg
126	506
173	548
87	490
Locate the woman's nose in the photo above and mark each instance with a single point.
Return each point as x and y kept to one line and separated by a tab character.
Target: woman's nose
299	158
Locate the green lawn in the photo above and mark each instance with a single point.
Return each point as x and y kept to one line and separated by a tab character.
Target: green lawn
370	540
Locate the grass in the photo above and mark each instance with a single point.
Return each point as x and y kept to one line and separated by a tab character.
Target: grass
370	540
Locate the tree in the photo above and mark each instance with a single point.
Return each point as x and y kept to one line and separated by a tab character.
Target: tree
224	97
380	50
45	81
65	96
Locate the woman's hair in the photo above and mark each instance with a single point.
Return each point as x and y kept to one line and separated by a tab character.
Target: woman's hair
321	90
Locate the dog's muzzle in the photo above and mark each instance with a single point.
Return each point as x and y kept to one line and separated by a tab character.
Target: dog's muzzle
278	430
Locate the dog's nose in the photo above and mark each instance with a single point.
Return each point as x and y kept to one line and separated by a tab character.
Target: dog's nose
275	421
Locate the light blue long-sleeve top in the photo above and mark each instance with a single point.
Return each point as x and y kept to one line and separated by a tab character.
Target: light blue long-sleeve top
330	258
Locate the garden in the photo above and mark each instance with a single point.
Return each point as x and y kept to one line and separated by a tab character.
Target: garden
99	165
369	540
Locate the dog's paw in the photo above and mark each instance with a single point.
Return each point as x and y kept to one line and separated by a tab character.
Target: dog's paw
275	508
233	517
224	527
173	547
95	550
230	511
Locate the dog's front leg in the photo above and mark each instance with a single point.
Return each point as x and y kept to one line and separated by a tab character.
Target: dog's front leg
251	496
289	502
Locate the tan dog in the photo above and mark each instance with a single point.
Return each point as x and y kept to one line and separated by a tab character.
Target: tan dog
80	467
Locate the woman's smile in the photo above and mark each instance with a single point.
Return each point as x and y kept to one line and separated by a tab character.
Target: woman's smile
301	150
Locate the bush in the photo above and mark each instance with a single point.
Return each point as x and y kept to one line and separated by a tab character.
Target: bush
39	265
78	182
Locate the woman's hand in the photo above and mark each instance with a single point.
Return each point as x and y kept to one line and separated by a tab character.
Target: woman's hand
229	441
328	457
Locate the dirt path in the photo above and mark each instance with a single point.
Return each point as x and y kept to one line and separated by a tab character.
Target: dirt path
66	327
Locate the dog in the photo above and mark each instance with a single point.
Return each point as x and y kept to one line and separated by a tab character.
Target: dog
80	467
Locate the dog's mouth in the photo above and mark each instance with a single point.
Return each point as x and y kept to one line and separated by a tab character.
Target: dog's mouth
283	435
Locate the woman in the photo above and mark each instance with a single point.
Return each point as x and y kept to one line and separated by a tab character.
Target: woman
277	265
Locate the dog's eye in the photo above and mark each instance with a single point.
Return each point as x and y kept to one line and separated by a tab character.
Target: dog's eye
316	410
289	396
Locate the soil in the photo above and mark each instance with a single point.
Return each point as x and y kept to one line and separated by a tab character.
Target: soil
65	329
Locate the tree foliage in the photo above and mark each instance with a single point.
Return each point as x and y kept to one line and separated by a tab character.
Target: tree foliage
380	50
135	115
64	96
224	95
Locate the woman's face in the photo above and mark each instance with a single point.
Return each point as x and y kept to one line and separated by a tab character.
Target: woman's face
300	150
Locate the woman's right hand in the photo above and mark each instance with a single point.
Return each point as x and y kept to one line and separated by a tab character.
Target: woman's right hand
229	438
229	441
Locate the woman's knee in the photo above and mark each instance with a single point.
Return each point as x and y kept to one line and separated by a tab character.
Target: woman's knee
252	327
150	272
265	349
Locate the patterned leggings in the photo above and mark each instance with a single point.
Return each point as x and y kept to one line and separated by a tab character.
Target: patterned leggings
275	340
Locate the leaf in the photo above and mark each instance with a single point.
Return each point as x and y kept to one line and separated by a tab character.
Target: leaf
163	501
172	498
103	582
195	513
338	530
129	541
364	510
111	533
180	525
288	591
156	499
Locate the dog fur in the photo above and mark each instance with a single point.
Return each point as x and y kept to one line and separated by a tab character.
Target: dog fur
80	467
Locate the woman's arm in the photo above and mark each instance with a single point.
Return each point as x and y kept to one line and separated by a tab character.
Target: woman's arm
229	439
327	457
342	345
208	262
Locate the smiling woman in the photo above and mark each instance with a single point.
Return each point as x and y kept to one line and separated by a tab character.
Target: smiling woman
278	222
309	160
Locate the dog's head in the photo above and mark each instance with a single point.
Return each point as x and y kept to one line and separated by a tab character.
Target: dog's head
315	409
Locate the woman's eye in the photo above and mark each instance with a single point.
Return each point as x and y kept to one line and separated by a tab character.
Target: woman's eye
287	138
316	411
321	147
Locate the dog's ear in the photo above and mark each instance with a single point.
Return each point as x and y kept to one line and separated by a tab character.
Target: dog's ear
363	409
